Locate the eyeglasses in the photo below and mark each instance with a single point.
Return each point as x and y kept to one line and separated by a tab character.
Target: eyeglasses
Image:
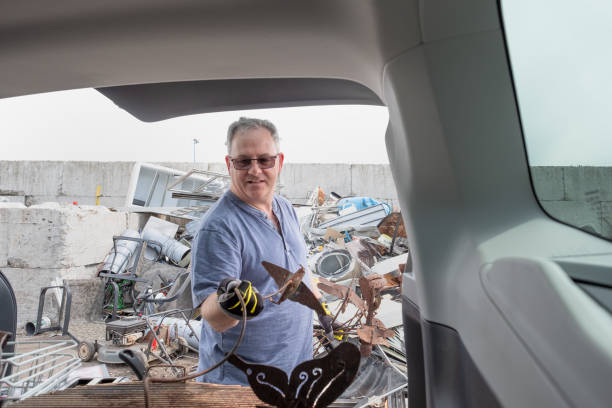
265	162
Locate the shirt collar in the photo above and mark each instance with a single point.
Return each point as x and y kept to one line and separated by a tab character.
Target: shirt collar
250	209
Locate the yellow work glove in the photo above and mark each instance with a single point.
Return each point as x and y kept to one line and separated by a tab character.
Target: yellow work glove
325	320
229	302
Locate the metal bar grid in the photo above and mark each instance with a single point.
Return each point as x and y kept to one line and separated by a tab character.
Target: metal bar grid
36	372
198	191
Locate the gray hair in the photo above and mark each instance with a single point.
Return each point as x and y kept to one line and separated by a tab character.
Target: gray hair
243	124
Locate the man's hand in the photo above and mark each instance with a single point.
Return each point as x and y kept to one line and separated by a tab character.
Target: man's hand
325	320
229	302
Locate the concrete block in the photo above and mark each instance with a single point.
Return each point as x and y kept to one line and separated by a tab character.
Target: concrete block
588	184
372	180
7	211
548	182
30	177
6	208
4	243
300	179
52	235
27	283
109	202
606	219
136	221
81	178
581	215
12	199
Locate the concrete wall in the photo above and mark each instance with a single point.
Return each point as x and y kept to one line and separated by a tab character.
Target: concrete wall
35	182
43	242
580	196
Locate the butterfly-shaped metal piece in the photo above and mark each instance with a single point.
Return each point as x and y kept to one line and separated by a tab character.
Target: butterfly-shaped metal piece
313	383
292	287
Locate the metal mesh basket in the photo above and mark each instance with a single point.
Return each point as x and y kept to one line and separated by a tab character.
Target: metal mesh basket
36	367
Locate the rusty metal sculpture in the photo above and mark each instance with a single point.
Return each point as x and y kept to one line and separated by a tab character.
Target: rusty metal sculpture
291	287
372	331
314	383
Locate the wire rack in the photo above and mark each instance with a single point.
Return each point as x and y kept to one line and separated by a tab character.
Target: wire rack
36	367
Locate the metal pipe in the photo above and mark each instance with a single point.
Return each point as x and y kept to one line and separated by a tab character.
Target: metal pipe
119	257
30	327
176	252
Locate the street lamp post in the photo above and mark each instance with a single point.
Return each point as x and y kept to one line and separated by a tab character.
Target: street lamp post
195	142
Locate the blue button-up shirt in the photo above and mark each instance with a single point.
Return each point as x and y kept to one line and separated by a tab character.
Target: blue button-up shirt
232	241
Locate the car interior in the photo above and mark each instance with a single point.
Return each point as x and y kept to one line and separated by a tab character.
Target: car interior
504	305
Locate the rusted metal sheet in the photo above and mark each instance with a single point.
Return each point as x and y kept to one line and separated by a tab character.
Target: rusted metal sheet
313	384
394	278
341	292
292	287
375	335
370	288
393	225
366	251
176	395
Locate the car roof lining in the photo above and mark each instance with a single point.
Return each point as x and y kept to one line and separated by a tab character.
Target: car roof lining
71	44
159	101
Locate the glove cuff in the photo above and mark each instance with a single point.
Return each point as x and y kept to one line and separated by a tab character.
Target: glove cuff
324	305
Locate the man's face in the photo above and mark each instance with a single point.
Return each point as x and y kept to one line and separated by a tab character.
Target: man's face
254	185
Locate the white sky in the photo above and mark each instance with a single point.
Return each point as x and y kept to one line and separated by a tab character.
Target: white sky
562	65
85	125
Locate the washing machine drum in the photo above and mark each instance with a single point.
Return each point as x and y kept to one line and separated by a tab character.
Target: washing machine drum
337	265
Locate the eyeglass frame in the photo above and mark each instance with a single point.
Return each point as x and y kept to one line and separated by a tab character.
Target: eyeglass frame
257	159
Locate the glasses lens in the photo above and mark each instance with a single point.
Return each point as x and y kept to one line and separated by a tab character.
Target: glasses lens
262	162
266	162
242	164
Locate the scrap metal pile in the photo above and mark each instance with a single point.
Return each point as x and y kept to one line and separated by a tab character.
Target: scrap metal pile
147	301
358	251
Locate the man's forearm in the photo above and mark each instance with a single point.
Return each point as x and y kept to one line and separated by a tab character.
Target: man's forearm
215	317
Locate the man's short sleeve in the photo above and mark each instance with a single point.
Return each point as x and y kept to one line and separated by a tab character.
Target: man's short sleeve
215	256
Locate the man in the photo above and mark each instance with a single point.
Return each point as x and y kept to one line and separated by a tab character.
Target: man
249	224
